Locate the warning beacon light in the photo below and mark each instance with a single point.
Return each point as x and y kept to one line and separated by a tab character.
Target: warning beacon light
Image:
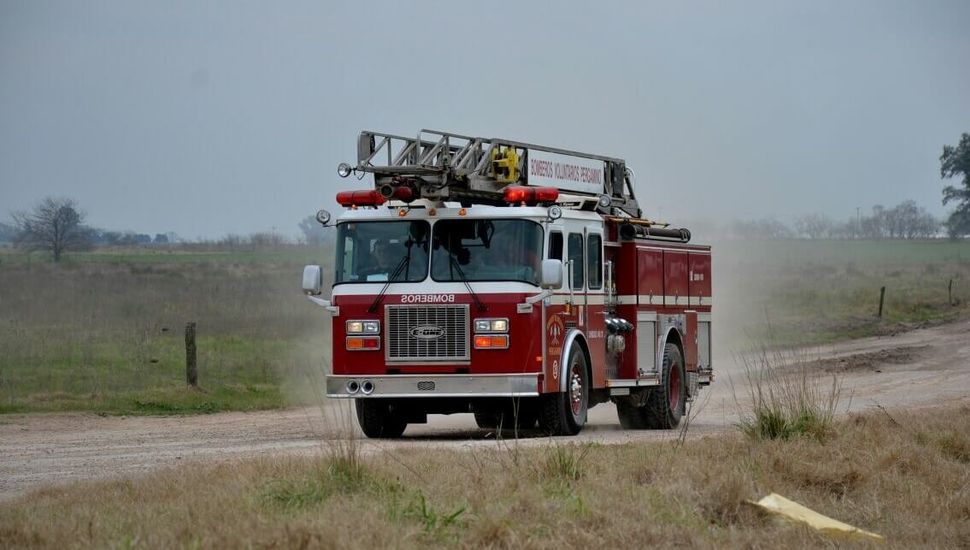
520	194
354	199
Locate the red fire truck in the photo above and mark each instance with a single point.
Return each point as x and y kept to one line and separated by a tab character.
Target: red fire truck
513	281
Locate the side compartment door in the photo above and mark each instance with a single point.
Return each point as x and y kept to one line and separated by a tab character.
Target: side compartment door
650	277
699	279
675	279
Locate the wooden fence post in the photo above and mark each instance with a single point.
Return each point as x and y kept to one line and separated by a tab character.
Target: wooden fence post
949	293
191	369
882	296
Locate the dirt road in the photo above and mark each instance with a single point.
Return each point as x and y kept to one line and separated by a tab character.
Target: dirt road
913	369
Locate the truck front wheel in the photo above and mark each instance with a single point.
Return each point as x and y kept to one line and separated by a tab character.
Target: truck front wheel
377	421
564	413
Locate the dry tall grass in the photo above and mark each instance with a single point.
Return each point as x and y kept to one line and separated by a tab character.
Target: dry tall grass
788	396
905	476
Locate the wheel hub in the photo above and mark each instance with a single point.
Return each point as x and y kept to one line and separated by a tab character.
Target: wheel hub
576	391
673	389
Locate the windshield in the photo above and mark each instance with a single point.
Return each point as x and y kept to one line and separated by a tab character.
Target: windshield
486	250
382	251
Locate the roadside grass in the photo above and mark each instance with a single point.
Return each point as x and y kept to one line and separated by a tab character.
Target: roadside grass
108	336
800	292
902	474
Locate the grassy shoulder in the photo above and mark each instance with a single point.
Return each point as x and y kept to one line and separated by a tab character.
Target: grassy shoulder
798	292
903	475
107	336
178	399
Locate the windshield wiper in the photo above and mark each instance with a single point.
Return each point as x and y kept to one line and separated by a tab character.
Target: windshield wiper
461	274
401	266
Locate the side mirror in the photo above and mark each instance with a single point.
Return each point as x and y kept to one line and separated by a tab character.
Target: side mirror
551	274
312	279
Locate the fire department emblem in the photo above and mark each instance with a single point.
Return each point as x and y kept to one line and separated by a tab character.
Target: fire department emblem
555	328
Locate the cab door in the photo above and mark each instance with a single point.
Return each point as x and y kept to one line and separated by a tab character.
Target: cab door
595	319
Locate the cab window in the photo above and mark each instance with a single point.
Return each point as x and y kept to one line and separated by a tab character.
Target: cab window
555	246
594	261
575	252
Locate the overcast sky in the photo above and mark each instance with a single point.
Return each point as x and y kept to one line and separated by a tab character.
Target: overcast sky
208	118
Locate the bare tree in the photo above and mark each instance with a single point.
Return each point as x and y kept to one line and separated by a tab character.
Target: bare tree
7	233
313	232
814	226
55	225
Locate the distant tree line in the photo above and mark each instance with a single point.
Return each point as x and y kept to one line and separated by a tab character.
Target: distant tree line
903	221
130	238
57	225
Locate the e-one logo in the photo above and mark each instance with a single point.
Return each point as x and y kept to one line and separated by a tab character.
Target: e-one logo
427	298
427	332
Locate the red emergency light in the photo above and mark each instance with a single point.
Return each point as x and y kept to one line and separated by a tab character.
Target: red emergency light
359	198
517	194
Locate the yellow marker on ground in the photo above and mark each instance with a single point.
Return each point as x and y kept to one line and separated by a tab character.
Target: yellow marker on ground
781	506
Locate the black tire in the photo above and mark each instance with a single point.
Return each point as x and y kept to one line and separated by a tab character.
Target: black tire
527	417
565	413
631	416
486	420
376	420
523	413
666	403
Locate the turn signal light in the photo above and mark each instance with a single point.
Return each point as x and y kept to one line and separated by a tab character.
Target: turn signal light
517	194
359	198
492	341
363	343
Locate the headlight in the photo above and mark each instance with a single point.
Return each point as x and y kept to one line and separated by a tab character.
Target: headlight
363	327
491	325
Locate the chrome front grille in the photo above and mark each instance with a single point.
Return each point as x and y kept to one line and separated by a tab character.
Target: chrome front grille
426	333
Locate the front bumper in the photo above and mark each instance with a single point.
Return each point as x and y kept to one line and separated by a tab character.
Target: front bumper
434	385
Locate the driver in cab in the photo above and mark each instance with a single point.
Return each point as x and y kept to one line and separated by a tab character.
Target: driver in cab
382	262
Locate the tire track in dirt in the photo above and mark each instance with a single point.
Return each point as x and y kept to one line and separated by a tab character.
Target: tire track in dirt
924	367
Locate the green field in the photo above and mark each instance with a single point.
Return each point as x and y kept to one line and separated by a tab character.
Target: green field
103	331
807	292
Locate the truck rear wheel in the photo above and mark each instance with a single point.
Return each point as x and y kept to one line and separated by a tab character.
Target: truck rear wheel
564	413
508	414
377	421
631	416
665	404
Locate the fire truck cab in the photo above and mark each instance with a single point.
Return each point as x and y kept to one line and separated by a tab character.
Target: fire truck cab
513	281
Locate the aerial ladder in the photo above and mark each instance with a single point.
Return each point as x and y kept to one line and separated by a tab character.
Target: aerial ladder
442	166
